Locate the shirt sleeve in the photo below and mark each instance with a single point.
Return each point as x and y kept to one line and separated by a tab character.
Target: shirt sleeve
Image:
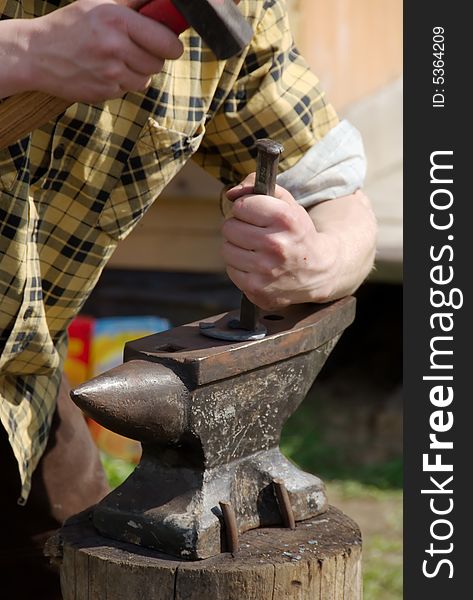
334	167
274	95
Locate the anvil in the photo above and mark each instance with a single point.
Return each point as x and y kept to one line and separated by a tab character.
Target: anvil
209	415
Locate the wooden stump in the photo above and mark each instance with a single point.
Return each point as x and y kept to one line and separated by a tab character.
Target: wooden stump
319	560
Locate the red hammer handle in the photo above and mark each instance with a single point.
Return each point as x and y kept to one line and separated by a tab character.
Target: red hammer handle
166	13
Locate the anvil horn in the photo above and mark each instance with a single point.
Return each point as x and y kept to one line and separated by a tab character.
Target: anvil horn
141	400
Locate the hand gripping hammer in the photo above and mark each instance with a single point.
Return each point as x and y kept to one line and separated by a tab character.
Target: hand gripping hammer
219	23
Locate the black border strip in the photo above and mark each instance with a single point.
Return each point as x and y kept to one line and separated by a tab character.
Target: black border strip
447	130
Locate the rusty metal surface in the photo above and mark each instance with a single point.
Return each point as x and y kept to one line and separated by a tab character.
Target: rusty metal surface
210	421
267	161
291	331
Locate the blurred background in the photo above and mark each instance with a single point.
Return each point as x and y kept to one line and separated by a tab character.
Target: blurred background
169	272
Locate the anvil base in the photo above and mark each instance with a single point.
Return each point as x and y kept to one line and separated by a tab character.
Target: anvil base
189	524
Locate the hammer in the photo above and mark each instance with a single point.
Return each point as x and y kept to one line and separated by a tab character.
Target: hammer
219	23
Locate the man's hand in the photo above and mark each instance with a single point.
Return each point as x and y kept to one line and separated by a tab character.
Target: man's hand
89	51
278	254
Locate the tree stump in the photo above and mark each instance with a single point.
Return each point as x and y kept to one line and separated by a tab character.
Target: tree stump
319	560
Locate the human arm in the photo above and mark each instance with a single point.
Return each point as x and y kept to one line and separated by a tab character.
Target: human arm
331	225
89	51
318	248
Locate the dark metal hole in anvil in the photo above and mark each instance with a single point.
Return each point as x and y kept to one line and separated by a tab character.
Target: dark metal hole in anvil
273	317
169	348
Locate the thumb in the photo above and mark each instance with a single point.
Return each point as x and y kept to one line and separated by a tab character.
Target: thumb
242	189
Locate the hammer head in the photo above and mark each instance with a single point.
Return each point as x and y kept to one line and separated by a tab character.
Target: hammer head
219	22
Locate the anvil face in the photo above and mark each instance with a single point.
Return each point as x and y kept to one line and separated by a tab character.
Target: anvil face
209	415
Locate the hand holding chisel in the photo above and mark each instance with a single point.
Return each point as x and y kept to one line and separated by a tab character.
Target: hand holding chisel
247	327
265	183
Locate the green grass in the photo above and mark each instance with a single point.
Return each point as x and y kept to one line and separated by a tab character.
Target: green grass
368	494
304	444
382	570
379	513
117	470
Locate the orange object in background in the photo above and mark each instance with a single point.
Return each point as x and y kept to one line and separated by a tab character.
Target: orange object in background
95	346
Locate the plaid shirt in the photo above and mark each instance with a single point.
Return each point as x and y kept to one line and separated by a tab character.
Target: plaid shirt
76	186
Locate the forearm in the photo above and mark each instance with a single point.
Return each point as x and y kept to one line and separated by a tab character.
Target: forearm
349	227
14	56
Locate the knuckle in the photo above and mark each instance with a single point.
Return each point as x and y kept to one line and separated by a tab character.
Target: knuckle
276	248
170	46
112	72
227	228
266	269
113	49
285	219
141	84
239	206
112	17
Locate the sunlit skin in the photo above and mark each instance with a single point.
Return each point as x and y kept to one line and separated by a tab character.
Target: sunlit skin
88	51
279	254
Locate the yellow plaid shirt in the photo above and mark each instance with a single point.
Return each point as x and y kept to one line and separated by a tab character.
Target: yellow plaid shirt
75	187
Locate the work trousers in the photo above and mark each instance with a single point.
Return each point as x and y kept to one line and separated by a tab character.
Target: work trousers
68	479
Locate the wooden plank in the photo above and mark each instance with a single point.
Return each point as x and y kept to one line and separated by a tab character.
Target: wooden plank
180	231
315	580
97	576
24	112
128	581
295	581
170	252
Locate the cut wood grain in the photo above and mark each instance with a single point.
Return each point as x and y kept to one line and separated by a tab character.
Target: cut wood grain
22	113
319	560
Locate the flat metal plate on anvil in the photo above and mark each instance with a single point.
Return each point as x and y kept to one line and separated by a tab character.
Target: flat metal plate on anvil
209	415
290	331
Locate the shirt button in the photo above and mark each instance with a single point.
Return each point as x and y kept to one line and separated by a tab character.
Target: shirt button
59	152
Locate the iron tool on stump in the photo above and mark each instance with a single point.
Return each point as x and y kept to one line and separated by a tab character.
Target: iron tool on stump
209	414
